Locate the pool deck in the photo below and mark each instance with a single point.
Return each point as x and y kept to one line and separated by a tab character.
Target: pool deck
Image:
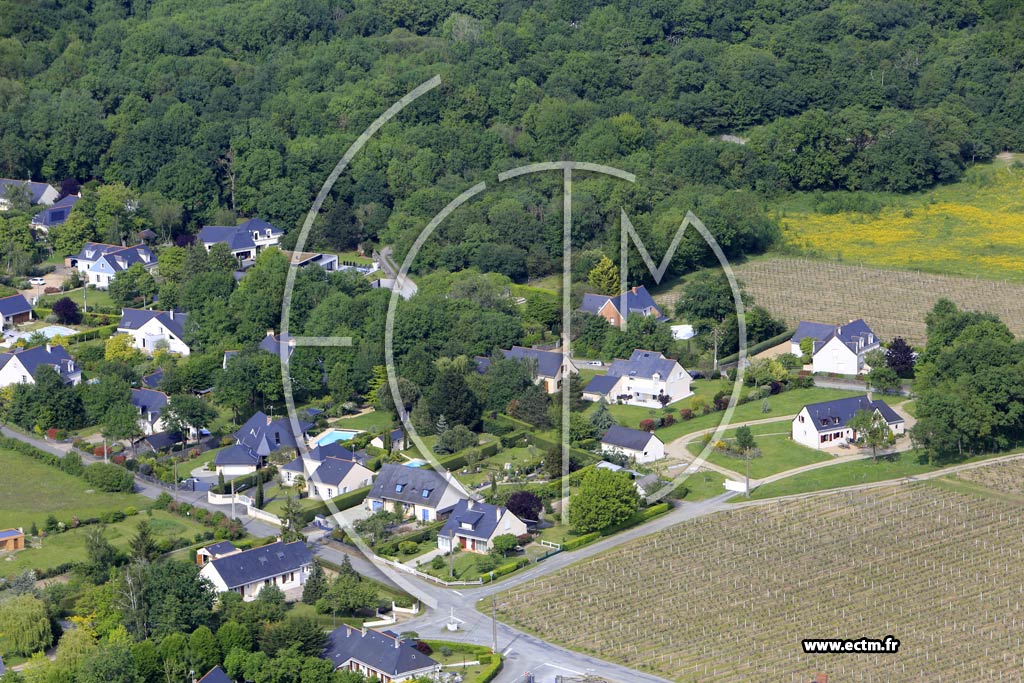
318	440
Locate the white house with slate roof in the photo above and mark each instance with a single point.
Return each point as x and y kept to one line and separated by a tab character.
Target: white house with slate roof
837	348
215	552
215	675
99	262
473	526
285	565
150	404
821	425
420	491
633	443
245	240
647	379
329	471
260	436
378	654
20	365
54	215
151	330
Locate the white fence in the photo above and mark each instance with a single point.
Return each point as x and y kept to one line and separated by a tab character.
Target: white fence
428	577
247	504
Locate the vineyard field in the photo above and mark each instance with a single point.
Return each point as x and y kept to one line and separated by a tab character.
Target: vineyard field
729	597
893	302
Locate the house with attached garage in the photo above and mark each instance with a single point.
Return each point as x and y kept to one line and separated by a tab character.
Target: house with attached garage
549	368
215	552
42	194
473	526
378	655
647	379
100	263
397	437
150	404
638	302
303	259
641	446
838	349
285	565
260	436
14	310
245	240
825	424
152	330
21	365
421	492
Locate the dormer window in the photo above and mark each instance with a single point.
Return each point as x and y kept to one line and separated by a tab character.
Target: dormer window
467	526
427	492
399	487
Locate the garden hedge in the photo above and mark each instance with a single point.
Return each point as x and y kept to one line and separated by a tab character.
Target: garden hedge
342	502
759	347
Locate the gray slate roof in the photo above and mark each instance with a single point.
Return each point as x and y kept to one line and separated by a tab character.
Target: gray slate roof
153	380
134	318
643	364
54	356
332	470
624	437
149	401
237	454
381	651
816	331
483	518
272	343
829	416
601	384
215	675
221	548
265	436
237	237
56	213
408	485
855	334
548	362
638	300
35	190
13	305
257	564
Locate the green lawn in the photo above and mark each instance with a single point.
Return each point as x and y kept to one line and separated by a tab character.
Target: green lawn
786	403
93	297
185	467
845	474
70	546
31	490
703	485
778	454
472	673
275	497
367	422
354	257
911	408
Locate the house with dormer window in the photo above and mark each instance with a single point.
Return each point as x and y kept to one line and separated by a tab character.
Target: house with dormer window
646	378
100	263
420	492
638	301
245	240
152	330
838	349
825	424
21	365
285	565
150	404
382	656
473	526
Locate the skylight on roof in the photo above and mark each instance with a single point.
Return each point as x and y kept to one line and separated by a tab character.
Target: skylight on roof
399	487
426	493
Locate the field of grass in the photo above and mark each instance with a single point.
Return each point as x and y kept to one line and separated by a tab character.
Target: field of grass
893	302
368	422
70	546
780	405
517	457
703	485
727	597
844	474
30	490
778	454
92	297
971	228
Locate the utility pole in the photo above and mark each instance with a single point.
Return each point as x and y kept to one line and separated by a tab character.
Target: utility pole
451	555
716	349
232	499
748	472
175	466
494	625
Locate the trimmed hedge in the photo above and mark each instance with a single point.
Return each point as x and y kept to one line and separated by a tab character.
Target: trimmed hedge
581	541
638	517
248	481
484	655
342	502
504	569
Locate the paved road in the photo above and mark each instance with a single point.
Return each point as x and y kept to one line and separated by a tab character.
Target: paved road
523	651
404	284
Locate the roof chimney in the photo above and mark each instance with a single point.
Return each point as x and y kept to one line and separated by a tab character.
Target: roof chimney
48	347
270	333
398	643
348	630
497	514
269	420
362	629
469	504
633	289
171	313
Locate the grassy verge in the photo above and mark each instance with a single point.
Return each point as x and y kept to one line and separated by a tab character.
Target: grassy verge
703	485
778	454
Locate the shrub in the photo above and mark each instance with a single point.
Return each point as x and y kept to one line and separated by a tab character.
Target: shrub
423	647
109	478
668	420
408	548
686	414
51	433
647	425
437	562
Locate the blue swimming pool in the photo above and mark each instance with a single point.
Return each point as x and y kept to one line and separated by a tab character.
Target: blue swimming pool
333	435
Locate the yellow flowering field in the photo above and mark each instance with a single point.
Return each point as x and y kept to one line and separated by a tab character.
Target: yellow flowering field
974	227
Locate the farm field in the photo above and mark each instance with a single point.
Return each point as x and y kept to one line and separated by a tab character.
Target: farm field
893	302
31	490
70	546
1004	477
937	569
972	227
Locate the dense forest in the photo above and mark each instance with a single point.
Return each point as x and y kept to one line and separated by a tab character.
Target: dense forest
241	108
